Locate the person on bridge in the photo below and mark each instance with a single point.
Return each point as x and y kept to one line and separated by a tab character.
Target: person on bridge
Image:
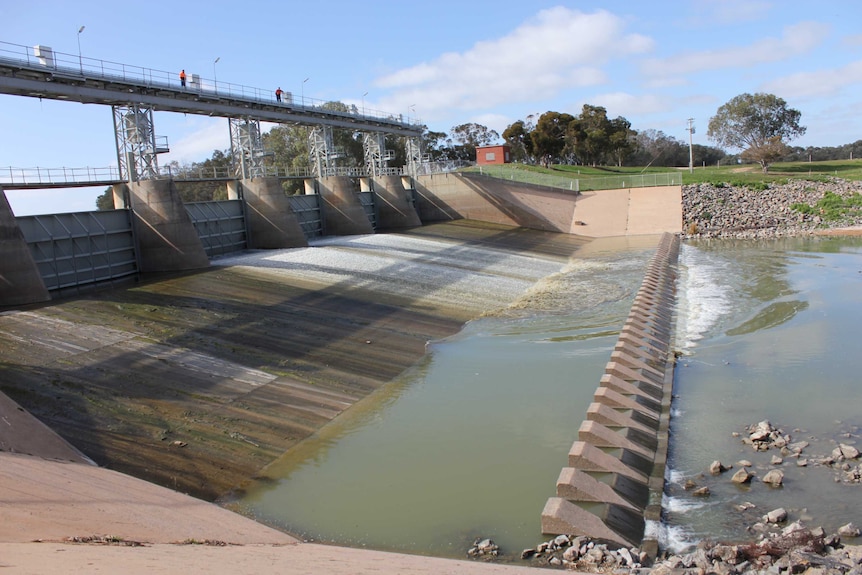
278	94
183	78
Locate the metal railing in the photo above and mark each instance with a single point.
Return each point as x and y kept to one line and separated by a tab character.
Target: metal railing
58	176
622	181
43	58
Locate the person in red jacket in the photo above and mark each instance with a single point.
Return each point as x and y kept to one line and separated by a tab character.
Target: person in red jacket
183	78
278	94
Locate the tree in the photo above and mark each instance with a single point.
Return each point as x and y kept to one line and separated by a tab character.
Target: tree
517	135
549	136
587	136
758	123
471	135
621	142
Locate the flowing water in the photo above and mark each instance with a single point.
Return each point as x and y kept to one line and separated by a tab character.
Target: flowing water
469	443
770	331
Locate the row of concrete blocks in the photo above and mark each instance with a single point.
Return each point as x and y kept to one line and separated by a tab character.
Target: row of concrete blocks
615	477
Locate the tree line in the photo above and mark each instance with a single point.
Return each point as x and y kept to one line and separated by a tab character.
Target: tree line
759	125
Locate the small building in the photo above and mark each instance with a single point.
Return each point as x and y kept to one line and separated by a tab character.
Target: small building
493	154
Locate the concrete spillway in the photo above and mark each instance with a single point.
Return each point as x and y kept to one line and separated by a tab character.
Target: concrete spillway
615	476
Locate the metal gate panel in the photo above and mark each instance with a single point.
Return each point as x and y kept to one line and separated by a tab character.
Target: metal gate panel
367	200
220	226
81	248
307	210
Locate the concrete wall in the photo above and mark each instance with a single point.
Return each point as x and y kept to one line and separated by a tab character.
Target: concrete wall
615	477
394	206
342	212
606	213
167	238
20	280
270	220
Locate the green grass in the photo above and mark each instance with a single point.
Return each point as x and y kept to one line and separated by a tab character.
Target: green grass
606	177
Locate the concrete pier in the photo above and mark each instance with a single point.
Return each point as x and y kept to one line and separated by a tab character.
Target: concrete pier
625	433
20	280
394	204
270	220
166	236
342	211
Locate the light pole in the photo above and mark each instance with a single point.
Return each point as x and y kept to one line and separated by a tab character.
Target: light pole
363	102
215	79
80	60
302	92
410	108
690	148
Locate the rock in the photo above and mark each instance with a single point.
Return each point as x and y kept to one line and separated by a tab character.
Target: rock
849	530
743	463
626	557
562	541
742	476
774	477
776	516
570	554
701	492
802	463
776	460
527	553
848	451
716	467
555	561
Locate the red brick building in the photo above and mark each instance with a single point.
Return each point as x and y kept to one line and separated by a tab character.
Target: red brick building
492	154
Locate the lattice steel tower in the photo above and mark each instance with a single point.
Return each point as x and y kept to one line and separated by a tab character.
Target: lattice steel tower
246	148
137	143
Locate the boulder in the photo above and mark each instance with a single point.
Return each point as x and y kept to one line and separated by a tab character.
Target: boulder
742	476
775	477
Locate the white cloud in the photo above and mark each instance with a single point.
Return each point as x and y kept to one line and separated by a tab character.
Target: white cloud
213	134
724	12
819	83
556	50
795	40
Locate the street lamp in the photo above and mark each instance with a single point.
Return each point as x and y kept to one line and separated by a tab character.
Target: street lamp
302	92
363	102
411	108
215	79
690	148
80	60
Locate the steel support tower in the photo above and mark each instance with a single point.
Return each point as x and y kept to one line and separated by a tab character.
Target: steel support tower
246	148
137	144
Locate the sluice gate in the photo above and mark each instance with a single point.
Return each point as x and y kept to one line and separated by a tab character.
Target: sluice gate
615	475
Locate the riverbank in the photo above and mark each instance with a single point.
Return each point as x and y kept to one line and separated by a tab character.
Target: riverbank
724	211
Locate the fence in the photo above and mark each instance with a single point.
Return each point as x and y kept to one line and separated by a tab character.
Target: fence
515	174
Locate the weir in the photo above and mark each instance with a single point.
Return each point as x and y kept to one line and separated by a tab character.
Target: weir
615	477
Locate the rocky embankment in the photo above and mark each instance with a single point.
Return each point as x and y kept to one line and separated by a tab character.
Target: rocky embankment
725	211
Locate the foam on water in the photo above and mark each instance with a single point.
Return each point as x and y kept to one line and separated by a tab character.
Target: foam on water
671	538
704	294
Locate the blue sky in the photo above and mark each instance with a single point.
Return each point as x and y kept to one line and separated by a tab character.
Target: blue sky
446	62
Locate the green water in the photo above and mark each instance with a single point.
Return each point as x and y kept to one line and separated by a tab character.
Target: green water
774	336
470	442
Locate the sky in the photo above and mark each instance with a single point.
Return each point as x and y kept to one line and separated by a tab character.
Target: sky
443	63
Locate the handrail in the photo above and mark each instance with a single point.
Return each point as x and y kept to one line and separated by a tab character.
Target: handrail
42	58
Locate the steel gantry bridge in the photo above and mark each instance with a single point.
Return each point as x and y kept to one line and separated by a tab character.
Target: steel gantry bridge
134	93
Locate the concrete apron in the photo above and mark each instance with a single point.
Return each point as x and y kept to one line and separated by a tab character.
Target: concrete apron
615	478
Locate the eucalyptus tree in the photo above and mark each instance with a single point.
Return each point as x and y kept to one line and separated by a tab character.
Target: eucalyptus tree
758	124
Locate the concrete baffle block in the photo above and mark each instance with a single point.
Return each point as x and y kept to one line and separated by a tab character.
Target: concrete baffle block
561	516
